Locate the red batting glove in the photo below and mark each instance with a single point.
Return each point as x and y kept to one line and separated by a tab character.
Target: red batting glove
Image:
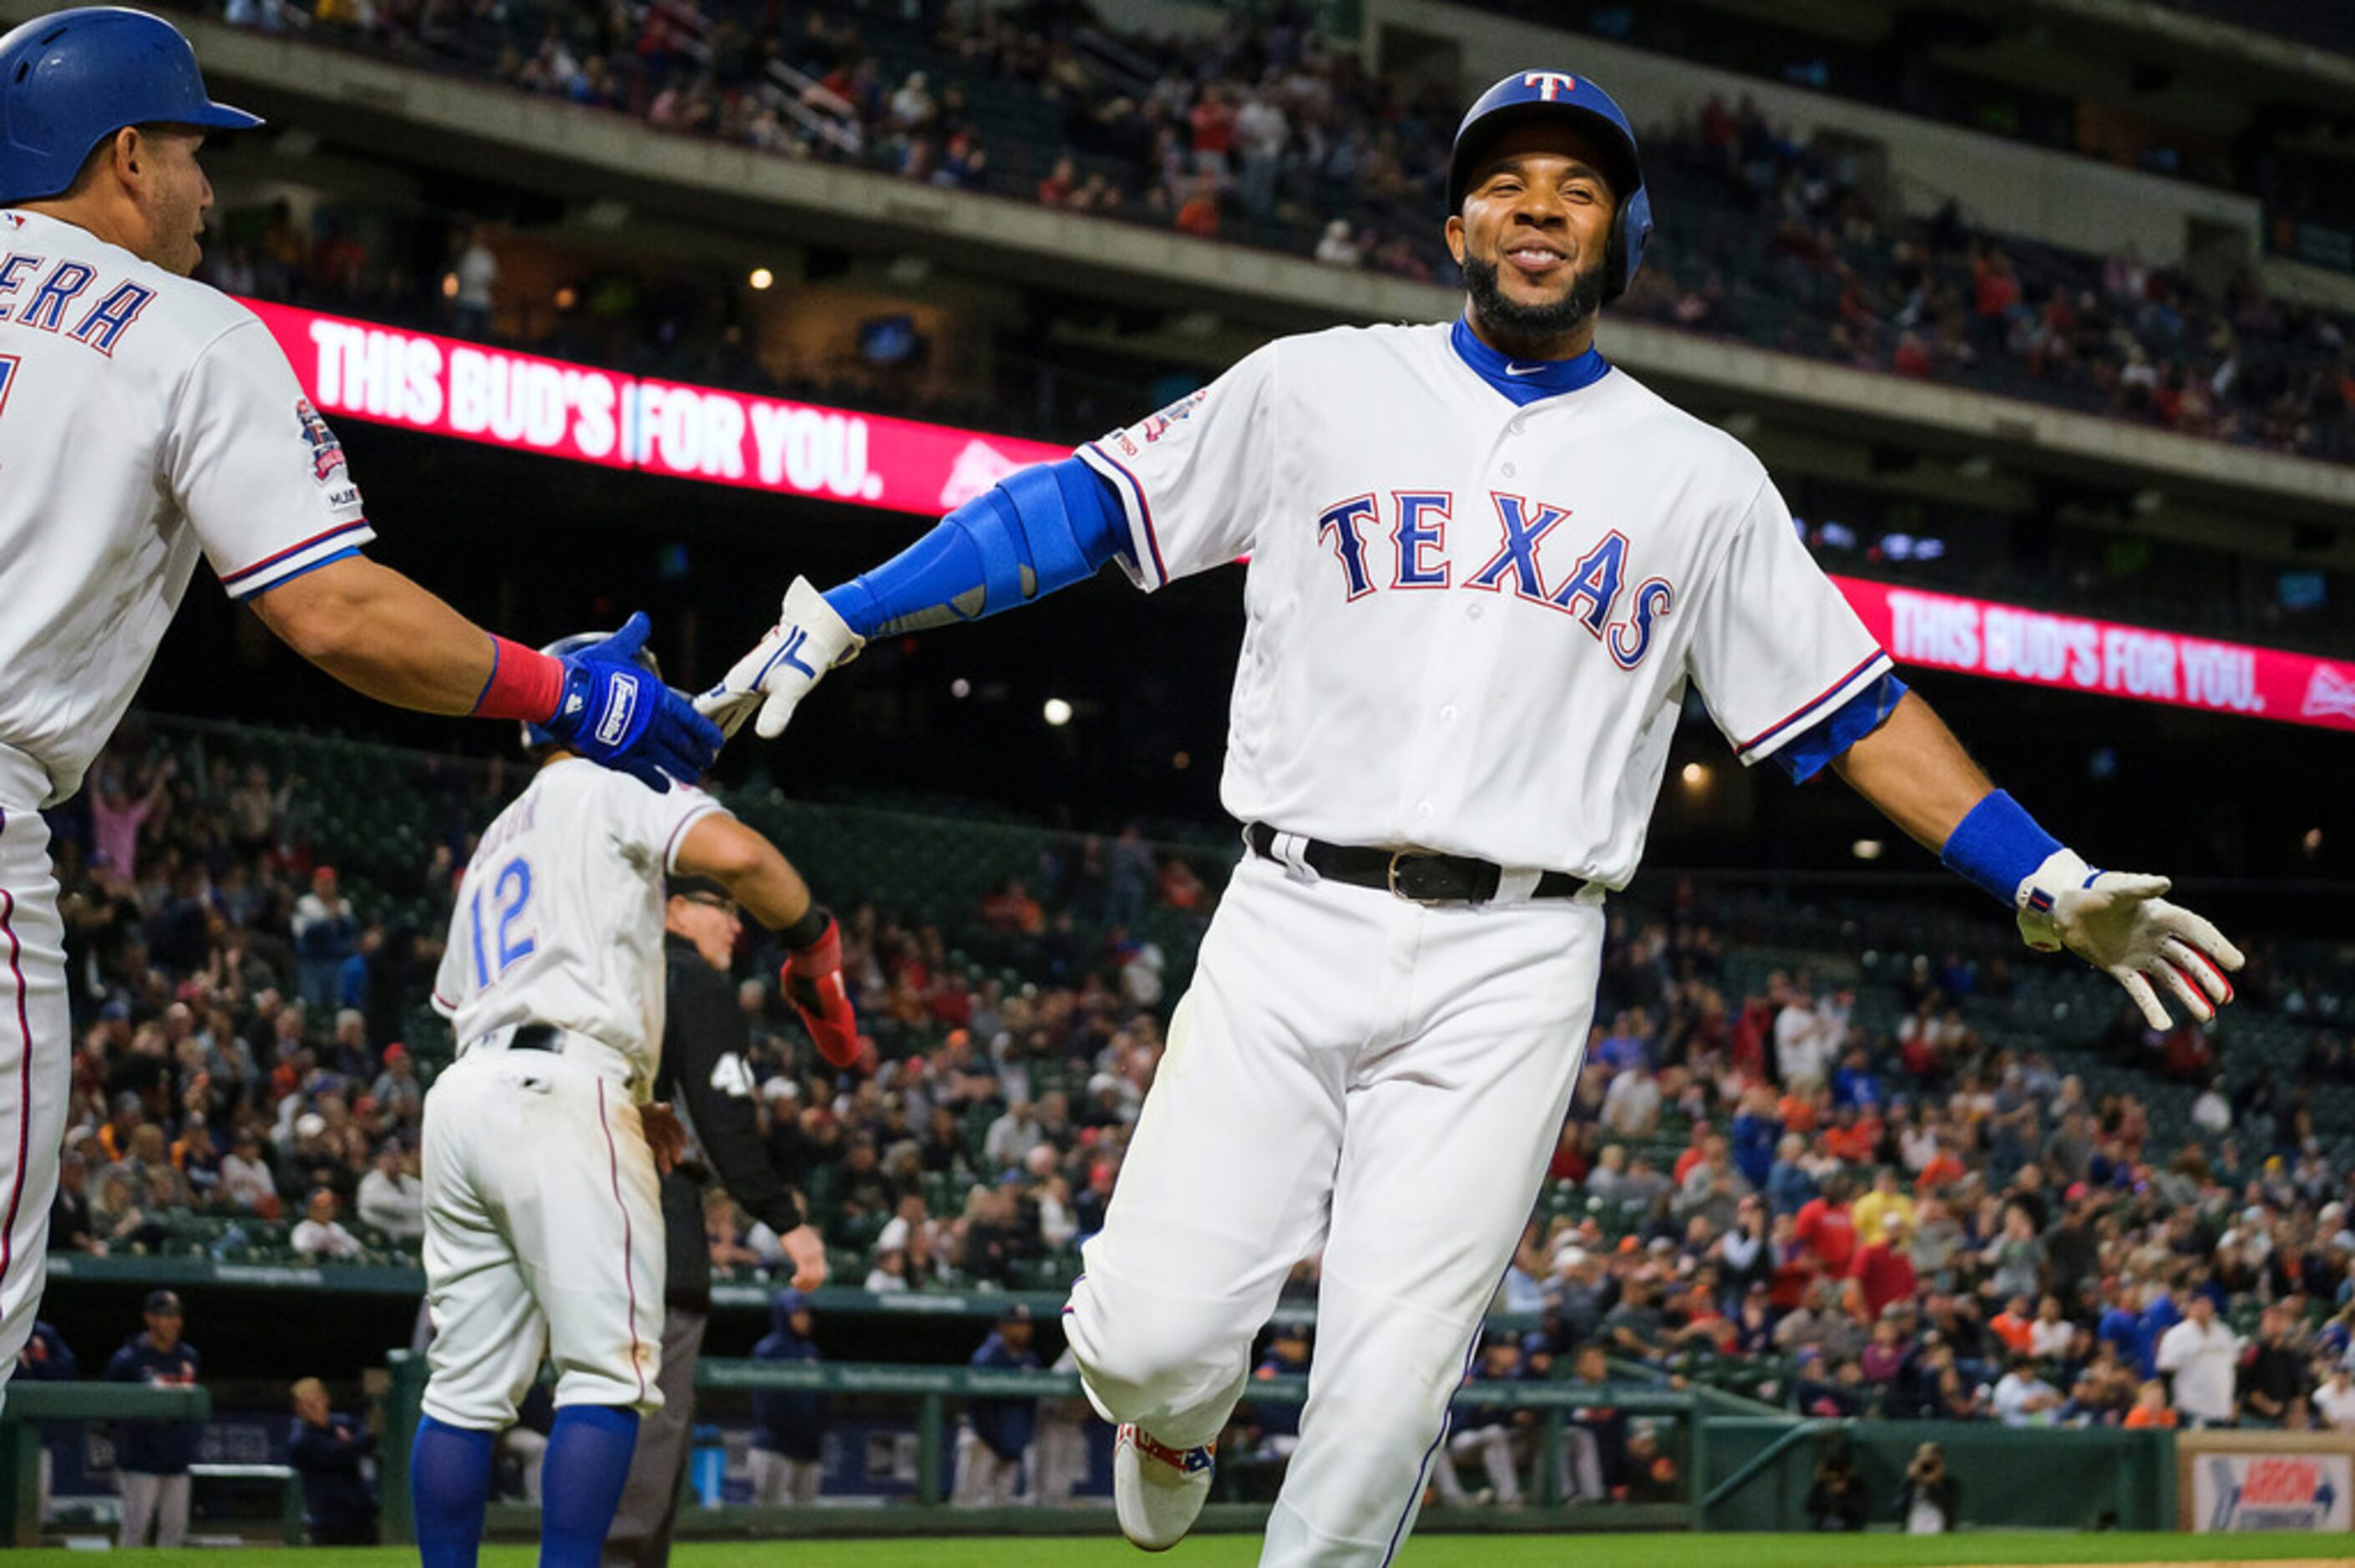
811	978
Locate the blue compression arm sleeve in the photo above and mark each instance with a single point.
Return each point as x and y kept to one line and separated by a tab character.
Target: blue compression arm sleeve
1047	527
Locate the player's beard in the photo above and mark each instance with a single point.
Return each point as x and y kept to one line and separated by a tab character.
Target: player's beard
1512	322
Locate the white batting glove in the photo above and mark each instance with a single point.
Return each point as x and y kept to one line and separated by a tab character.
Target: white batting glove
808	639
2117	922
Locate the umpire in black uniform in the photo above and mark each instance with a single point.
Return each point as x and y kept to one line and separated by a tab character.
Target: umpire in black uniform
705	1078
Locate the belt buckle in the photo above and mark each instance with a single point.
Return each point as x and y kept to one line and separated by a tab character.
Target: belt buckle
1398	892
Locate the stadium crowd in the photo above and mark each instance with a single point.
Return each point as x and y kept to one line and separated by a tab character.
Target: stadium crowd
1923	1223
1753	1187
1268	136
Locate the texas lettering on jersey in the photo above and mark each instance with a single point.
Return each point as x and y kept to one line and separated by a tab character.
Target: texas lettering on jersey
42	294
1422	531
1590	592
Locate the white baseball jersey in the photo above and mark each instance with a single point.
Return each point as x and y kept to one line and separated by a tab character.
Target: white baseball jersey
559	916
144	418
1471	624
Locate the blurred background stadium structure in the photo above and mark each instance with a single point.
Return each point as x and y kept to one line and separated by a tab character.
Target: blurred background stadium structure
2039	305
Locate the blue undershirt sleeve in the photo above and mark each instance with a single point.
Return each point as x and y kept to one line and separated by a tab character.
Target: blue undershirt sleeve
1046	527
1804	756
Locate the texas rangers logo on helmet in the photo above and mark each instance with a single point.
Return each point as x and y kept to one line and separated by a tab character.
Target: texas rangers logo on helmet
326	451
1551	84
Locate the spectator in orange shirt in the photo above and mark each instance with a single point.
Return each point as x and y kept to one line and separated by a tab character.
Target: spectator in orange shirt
1944	1170
1012	908
2150	1408
1852	1136
1200	216
1694	1152
2015	1325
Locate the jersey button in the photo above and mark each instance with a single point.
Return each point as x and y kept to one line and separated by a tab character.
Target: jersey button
1423	808
1471	612
1518	425
1507	471
1447	714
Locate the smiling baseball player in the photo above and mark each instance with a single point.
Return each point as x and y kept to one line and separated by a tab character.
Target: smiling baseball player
147	420
543	1219
1485	568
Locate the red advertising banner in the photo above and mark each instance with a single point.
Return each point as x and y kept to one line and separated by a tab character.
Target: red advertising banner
445	387
477	393
1978	637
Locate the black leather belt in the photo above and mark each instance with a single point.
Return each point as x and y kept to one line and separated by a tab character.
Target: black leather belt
1414	874
536	1037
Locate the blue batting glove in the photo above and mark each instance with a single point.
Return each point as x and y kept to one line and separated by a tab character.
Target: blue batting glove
621	716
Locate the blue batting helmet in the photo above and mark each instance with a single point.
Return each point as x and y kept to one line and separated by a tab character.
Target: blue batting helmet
72	79
1539	95
564	648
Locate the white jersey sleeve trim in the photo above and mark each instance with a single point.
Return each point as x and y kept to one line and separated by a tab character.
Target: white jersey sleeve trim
678	833
1772	739
1143	562
296	559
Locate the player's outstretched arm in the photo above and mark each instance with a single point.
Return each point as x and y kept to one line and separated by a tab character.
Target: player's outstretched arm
1917	773
769	889
382	635
1044	528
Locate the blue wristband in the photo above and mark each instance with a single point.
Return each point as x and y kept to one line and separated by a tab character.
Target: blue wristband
1997	846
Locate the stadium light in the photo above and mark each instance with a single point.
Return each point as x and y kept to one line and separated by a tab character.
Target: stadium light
762	278
1866	849
1057	712
1695	775
960	687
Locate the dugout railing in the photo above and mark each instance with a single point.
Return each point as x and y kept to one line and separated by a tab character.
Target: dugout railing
29	1403
933	1388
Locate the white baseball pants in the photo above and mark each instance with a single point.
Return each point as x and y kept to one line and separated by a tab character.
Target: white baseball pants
1493	1446
543	1235
1352	1069
36	1052
777	1480
153	1503
984	1477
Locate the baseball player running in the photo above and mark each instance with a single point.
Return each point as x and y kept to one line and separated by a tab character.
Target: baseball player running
146	420
1484	567
543	1217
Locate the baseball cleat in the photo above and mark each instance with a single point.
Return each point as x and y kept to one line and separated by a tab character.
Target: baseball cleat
1158	1490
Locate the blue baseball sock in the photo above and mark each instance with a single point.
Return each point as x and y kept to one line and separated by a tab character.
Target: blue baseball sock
588	1453
450	1482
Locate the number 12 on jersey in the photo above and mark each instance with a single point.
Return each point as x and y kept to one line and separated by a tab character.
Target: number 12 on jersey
511	894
